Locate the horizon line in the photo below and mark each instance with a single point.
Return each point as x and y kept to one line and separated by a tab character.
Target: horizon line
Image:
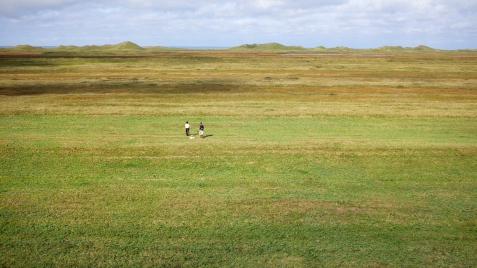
205	47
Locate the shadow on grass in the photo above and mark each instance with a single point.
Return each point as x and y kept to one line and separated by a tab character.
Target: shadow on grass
197	135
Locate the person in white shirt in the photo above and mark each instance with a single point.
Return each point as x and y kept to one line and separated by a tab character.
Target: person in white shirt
187	126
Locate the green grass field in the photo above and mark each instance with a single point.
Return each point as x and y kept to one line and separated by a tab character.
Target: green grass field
308	160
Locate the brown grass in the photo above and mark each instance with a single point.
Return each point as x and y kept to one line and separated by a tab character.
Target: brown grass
240	84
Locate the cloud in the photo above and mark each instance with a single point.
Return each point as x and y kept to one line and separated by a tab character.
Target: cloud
14	8
353	23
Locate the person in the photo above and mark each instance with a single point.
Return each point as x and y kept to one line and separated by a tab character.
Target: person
187	127
201	130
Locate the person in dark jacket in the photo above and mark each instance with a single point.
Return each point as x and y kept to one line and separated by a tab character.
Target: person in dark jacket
201	130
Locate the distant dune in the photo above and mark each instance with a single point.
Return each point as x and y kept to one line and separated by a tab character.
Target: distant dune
124	46
267	47
25	48
128	47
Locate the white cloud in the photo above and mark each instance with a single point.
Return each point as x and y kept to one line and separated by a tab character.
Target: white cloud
13	8
309	23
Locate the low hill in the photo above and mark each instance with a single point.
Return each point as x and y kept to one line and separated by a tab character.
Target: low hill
67	47
424	48
108	49
26	48
131	48
268	47
126	46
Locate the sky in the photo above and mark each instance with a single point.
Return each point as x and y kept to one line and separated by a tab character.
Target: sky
442	24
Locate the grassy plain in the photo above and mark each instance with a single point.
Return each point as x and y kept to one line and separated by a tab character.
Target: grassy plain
309	161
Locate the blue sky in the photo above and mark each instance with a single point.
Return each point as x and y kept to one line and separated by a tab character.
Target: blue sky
444	24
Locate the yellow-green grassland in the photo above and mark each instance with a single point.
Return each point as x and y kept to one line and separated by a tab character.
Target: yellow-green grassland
310	158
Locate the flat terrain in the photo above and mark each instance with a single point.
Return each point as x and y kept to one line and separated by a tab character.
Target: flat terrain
309	160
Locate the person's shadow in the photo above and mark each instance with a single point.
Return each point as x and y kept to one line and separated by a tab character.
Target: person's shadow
205	136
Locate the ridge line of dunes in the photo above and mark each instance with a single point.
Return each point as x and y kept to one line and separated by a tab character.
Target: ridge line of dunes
273	47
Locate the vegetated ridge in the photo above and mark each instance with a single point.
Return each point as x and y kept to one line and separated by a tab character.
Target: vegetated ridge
128	47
